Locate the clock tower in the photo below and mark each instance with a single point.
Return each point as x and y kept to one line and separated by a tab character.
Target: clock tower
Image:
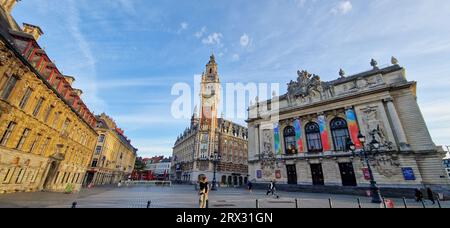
209	100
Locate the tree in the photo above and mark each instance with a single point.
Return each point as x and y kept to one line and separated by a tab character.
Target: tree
139	165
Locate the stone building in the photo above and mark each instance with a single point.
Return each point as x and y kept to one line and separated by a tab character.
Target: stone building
300	139
47	132
210	136
114	156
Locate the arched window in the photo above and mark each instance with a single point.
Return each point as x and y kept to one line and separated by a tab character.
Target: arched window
289	140
313	137
339	130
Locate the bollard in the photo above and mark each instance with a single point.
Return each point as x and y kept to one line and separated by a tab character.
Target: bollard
74	205
439	203
257	204
330	201
359	203
423	204
404	203
149	203
296	203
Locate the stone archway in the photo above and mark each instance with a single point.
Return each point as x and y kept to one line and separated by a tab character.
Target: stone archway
54	165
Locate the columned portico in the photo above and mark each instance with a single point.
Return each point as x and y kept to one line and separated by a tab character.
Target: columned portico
397	125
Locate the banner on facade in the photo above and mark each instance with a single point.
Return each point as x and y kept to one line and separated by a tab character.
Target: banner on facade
278	174
408	174
276	130
298	135
366	174
353	127
324	133
258	174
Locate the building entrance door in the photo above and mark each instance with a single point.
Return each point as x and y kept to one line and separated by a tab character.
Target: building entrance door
348	174
317	174
51	174
292	174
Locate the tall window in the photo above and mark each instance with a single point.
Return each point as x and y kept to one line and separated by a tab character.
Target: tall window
98	150
289	140
339	130
35	142
44	146
37	109
48	112
94	162
56	119
10	84
25	98
313	137
8	133
23	138
65	126
101	138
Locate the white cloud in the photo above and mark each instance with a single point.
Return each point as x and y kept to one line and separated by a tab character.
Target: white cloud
342	8
300	3
184	25
200	33
213	39
245	40
236	57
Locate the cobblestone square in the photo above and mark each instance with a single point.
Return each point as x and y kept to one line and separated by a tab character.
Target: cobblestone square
180	196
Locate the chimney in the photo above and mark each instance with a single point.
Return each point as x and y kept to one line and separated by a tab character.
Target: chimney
33	30
79	92
8	5
69	79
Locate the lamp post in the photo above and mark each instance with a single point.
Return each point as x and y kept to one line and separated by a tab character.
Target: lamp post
215	158
366	152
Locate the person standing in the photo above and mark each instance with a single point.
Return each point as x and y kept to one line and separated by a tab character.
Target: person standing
419	195
250	186
204	192
431	195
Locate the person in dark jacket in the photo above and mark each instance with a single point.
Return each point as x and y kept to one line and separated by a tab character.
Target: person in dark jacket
250	186
419	195
431	195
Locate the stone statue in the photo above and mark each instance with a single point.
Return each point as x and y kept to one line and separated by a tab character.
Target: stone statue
342	73
374	64
394	61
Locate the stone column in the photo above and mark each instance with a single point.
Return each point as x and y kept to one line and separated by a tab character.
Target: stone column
397	125
258	139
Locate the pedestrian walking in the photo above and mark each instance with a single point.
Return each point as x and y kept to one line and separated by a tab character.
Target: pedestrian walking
272	189
431	196
419	195
250	186
204	192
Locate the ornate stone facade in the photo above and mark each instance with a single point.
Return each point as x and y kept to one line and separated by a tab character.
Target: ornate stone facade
47	133
209	134
114	156
306	144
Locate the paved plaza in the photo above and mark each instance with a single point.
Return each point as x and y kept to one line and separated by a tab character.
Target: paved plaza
185	197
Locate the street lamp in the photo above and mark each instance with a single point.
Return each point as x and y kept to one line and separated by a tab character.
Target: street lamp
366	153
215	158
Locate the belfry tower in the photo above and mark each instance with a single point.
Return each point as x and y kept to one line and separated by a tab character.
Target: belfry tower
209	100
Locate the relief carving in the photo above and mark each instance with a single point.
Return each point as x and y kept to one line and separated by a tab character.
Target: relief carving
308	88
268	158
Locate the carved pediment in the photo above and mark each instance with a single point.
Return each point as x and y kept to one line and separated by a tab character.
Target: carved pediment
308	85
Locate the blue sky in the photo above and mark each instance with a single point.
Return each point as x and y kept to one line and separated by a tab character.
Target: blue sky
127	54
